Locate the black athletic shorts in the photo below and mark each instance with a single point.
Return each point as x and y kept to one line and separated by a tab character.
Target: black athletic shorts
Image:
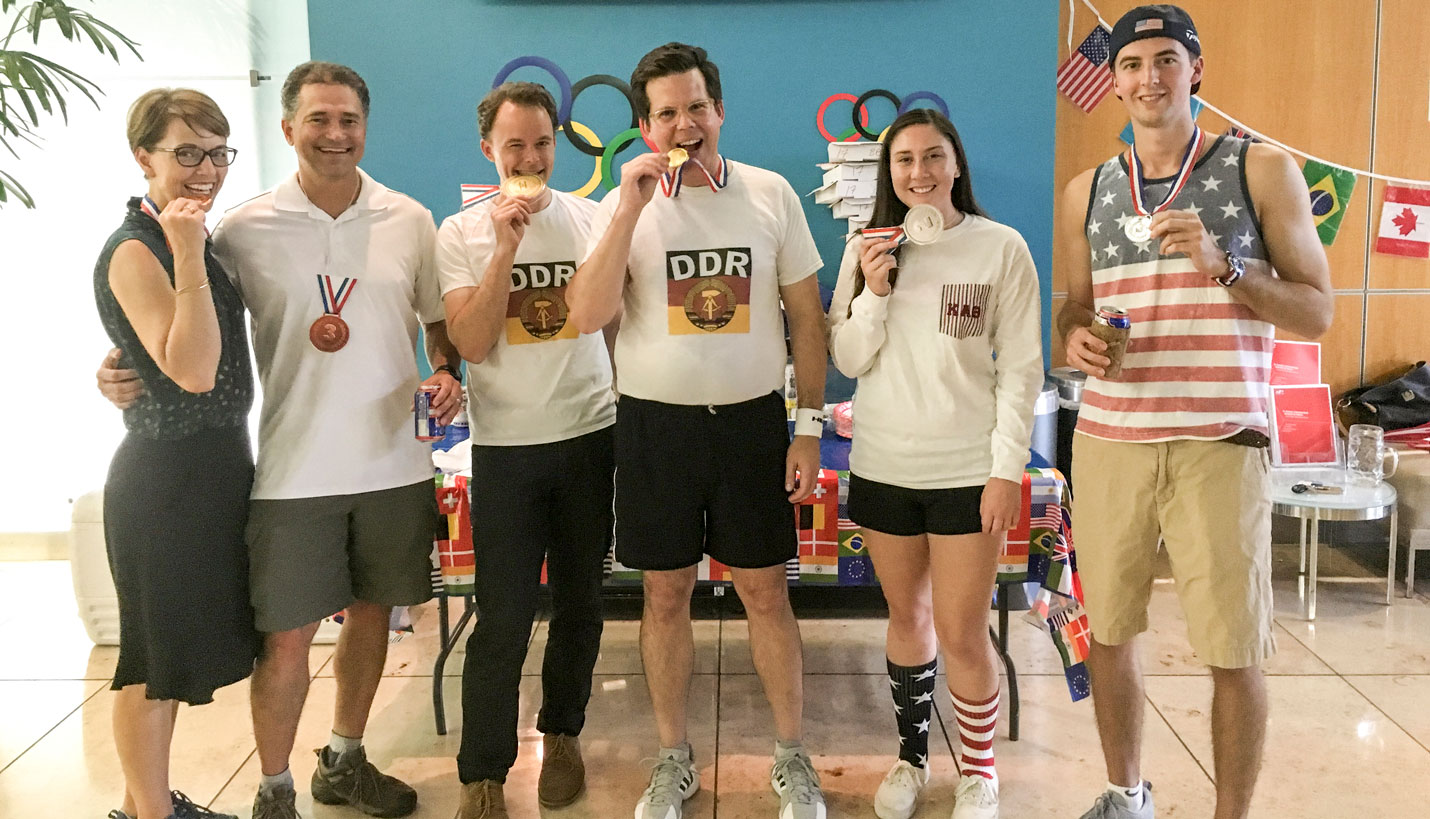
896	510
698	480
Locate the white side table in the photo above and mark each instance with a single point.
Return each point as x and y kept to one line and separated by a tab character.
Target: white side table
1354	503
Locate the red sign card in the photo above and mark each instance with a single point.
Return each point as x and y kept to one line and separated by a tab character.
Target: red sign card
1295	362
1303	431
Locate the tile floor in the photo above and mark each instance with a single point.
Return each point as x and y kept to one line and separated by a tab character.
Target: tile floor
1349	734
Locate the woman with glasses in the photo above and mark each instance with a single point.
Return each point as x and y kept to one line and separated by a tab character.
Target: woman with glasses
944	338
176	499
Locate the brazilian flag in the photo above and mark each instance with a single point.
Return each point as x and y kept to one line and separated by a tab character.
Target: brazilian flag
1330	191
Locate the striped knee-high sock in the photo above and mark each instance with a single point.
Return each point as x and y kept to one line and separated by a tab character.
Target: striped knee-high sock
977	720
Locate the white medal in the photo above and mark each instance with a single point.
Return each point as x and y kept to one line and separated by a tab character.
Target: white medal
1138	228
923	224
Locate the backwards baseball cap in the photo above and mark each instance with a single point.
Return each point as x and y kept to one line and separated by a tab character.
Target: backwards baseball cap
1163	20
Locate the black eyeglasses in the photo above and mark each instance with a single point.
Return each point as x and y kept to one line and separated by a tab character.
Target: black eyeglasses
191	156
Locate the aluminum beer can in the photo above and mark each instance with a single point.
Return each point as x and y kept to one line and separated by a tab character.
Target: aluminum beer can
424	419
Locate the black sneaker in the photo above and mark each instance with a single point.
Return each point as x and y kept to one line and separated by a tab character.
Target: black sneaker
350	779
184	808
279	803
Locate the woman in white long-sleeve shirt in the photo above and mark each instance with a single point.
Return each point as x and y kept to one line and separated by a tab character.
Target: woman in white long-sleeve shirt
946	343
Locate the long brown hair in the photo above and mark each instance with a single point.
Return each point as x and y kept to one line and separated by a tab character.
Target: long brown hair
889	211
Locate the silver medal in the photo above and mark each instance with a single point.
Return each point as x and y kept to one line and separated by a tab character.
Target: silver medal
923	224
1138	228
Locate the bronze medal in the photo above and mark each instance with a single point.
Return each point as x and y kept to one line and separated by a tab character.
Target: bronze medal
329	333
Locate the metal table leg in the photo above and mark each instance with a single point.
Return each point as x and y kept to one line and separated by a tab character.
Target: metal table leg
1301	524
1390	572
449	637
1000	644
1315	550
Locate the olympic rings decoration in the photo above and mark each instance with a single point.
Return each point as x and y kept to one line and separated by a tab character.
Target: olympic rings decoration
859	115
581	137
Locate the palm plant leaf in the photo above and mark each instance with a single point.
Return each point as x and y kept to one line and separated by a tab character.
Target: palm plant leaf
33	87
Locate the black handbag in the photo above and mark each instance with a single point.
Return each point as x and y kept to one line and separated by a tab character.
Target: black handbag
1403	402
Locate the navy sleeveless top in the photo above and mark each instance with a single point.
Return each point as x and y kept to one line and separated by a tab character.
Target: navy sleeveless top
166	410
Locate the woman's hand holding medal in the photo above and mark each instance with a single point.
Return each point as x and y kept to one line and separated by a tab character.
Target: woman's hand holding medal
183	223
877	262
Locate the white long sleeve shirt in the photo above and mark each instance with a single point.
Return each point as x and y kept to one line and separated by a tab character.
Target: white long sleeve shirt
949	363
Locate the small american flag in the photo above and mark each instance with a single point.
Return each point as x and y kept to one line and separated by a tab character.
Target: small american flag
1084	77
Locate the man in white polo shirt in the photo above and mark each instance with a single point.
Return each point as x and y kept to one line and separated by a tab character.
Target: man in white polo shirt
701	257
336	270
542	412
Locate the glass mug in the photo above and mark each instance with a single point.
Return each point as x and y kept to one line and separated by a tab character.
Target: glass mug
1365	455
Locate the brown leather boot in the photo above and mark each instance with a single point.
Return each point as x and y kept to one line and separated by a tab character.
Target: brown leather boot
482	800
563	774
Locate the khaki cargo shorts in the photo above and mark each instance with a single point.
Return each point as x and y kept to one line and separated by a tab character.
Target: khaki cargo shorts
1209	503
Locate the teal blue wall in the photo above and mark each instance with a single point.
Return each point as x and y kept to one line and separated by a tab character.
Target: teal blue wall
429	62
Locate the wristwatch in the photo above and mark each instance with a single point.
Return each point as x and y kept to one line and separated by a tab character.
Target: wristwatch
1236	268
449	370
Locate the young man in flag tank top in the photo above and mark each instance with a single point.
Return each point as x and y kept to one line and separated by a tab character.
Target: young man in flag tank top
1209	244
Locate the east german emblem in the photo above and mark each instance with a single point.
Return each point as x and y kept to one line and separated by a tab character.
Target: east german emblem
543	313
709	304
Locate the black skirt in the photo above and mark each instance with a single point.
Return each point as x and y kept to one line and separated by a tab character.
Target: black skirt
174	514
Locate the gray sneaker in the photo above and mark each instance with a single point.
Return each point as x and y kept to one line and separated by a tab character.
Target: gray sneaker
279	803
184	808
1108	808
672	781
117	814
795	780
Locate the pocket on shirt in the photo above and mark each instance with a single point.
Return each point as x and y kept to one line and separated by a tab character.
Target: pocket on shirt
963	310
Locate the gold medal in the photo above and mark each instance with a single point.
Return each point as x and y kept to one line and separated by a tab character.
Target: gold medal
525	186
677	157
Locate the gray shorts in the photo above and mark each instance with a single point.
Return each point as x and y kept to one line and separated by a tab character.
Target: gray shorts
311	557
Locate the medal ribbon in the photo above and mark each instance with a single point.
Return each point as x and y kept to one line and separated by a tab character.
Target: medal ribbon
672	181
335	300
885	233
147	205
1134	175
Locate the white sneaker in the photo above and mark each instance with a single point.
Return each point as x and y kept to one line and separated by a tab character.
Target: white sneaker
797	784
672	781
898	794
975	798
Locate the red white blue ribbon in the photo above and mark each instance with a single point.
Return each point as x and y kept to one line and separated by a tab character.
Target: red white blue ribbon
1134	176
476	194
673	180
335	300
883	234
147	205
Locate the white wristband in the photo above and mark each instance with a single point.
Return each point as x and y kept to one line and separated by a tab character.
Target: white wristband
809	422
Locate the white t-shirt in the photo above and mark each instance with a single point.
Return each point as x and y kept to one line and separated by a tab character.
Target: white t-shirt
702	321
334	423
949	364
543	381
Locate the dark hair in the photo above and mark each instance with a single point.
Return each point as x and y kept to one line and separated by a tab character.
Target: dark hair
316	72
669	59
150	115
889	211
528	94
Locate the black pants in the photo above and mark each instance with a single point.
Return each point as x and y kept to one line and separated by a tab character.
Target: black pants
548	502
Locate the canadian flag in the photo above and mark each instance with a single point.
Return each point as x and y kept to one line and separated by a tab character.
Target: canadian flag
1405	222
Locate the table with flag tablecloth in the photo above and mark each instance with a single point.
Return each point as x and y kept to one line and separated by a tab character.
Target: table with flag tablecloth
831	553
